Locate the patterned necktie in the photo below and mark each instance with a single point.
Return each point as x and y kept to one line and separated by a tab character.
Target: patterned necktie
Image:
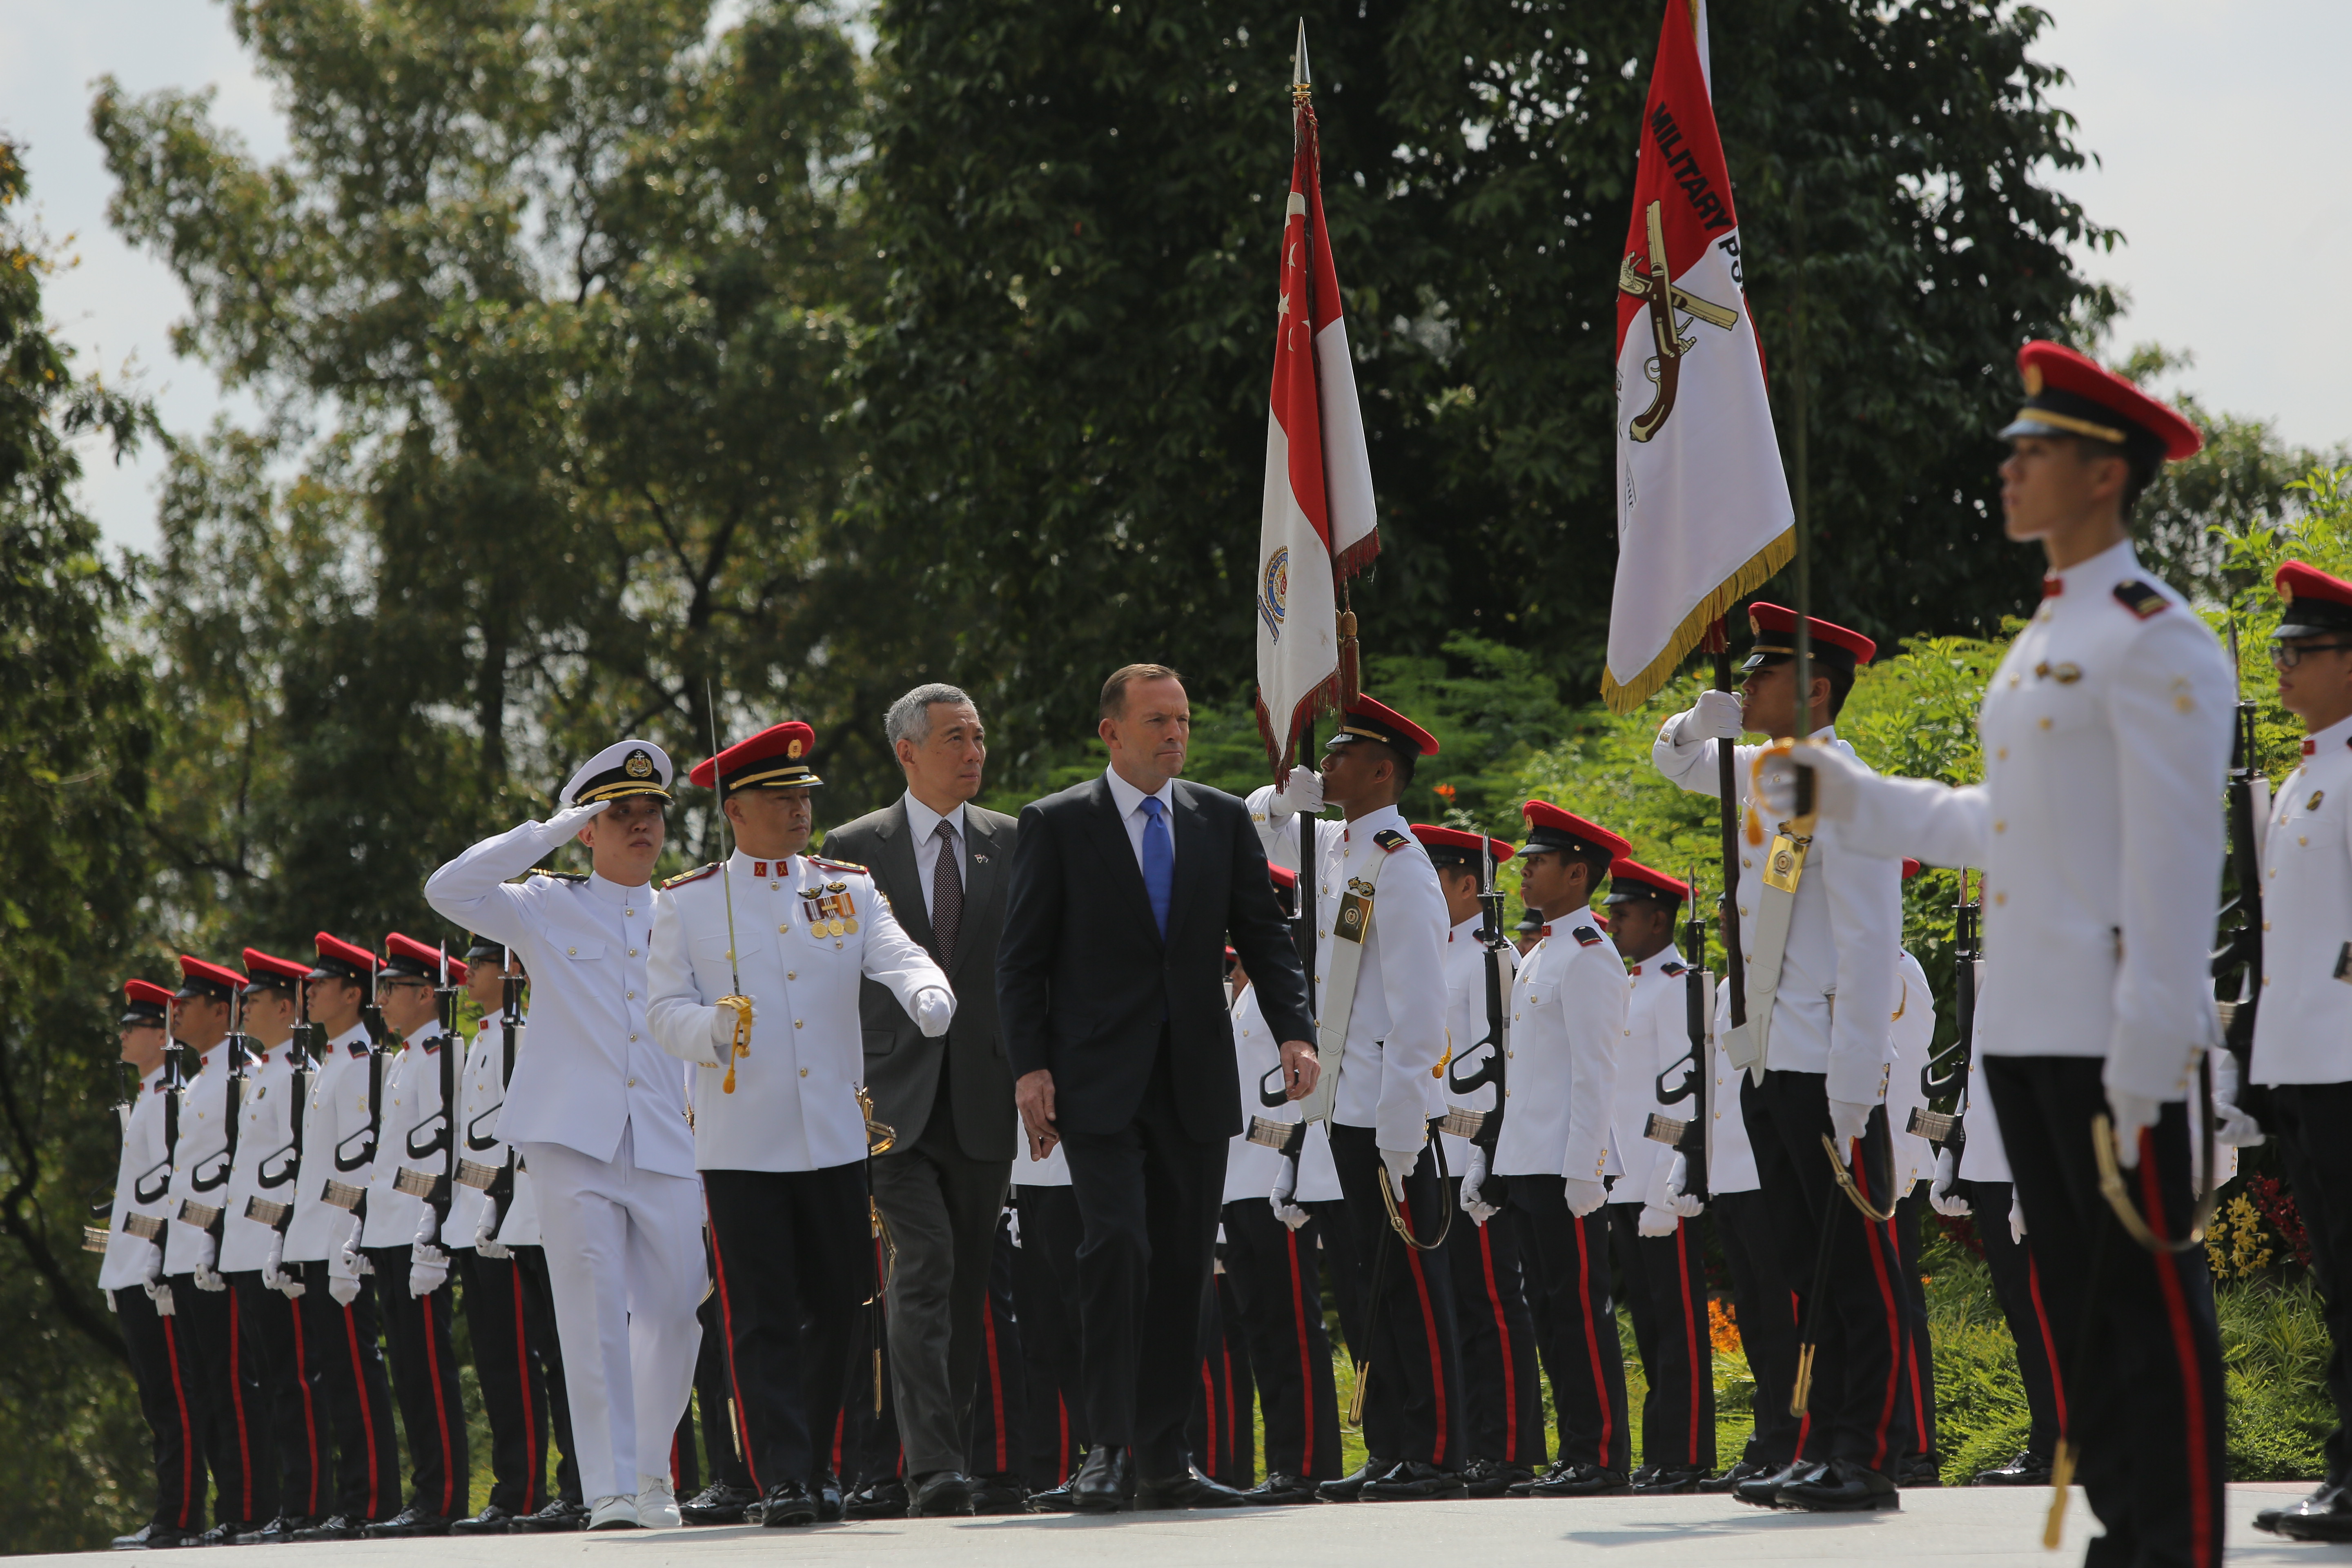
1158	862
947	894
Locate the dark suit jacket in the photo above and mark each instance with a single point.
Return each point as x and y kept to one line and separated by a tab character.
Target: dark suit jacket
902	1067
1085	979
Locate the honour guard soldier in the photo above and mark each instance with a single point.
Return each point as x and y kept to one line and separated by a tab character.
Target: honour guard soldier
1501	1382
1912	1035
131	1275
261	1178
1559	1146
1820	928
232	1409
1370	872
598	1113
2106	736
340	1126
1658	1244
756	965
2303	1031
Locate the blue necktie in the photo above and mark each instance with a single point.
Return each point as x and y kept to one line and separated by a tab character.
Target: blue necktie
1158	862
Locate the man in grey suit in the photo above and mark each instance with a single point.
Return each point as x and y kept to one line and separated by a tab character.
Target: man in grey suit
943	862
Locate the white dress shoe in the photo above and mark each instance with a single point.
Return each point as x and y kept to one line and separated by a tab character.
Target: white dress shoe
613	1513
657	1503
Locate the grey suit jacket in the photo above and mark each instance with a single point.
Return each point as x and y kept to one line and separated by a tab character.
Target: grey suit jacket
902	1067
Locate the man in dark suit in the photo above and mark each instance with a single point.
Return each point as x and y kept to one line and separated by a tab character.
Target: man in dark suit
942	863
1111	976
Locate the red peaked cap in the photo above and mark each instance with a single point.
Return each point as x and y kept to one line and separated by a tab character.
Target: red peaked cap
269	970
1910	867
146	991
1550	827
1629	879
406	955
2316	603
144	1004
2067	394
1453	846
775	758
340	960
1365	720
1775	627
201	979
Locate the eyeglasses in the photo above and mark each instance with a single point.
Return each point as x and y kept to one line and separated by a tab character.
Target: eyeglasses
2287	655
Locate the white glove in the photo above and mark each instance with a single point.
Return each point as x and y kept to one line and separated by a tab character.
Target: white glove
353	1261
1474	1181
1677	1178
1838	782
2132	1114
1583	1196
567	822
2234	1127
206	1277
343	1287
934	1009
273	1270
1285	1197
1943	1193
1849	1119
1399	1163
428	1268
486	1235
161	1294
1717	717
1656	1221
1303	792
2017	1219
428	1228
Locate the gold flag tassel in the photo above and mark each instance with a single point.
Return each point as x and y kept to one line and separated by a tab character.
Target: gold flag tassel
2062	1478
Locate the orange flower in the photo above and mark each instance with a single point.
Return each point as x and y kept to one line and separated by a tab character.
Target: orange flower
1722	1328
1444	792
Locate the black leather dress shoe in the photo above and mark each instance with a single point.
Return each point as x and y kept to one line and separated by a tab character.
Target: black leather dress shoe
225	1532
1350	1486
1577	1481
557	1517
492	1521
1921	1470
1742	1471
831	1504
1053	1499
154	1537
885	1498
334	1526
1413	1481
2027	1469
1842	1486
1764	1491
407	1523
786	1504
718	1503
939	1495
999	1494
1279	1490
1106	1482
1188	1488
2324	1515
1492	1478
277	1530
2268	1519
1660	1481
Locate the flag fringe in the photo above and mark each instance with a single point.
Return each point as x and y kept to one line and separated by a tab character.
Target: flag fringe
1352	561
1282	753
1623	696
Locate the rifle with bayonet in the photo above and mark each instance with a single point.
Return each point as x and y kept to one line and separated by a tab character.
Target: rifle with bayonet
2238	960
348	1158
213	1218
497	1182
302	1055
1688	1135
436	1188
1483	1128
1948	1129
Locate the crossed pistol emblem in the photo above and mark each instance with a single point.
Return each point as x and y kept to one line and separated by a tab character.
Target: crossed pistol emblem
1664	297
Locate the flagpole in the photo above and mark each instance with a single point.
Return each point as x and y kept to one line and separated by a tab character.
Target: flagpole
1735	969
1302	91
1804	499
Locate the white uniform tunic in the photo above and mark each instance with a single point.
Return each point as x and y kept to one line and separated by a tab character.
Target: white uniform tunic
1568	1030
1656	1036
1251	1169
1912	1032
794	1107
335	1120
2105	735
1730	1158
479	1101
126	1260
202	1156
264	1146
412	1119
1466	1023
2303	1029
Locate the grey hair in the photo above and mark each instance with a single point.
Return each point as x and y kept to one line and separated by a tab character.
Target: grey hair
909	718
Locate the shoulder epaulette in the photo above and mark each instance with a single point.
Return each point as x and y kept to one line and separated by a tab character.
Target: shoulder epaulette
837	865
1585	935
1675	968
1389	839
2141	598
554	875
359	1047
683	878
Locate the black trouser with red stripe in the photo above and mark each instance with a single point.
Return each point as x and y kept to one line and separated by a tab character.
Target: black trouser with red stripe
1765	1305
1855	1412
1044	1287
539	1315
865	1443
1665	1294
793	1252
425	1380
1413	1409
514	1387
1000	1410
1219	1432
2017	1285
1567	1262
1343	1271
714	1408
233	1414
1918	1354
2310	1120
2140	1355
1502	1386
358	1396
1276	1276
276	1344
168	1398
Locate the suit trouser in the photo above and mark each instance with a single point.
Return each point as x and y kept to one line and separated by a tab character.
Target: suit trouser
2311	1119
274	1343
1045	1282
1856	1405
168	1398
1219	1434
1665	1294
1502	1386
1918	1369
513	1385
1276	1273
624	1264
1413	1409
1567	1264
232	1409
2017	1285
358	1396
1148	1196
943	1208
791	1249
547	1348
1000	1407
416	1342
1765	1303
2141	1353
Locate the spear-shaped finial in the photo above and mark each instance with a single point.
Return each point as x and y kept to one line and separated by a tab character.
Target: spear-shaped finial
1302	84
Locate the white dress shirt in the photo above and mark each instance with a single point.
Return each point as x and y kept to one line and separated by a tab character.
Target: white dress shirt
481	1095
1568	1030
265	1137
1657	1036
2303	1029
923	828
1466	1023
202	1154
1130	801
336	1119
412	1119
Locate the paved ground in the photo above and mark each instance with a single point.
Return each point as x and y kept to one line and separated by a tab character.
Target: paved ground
1979	1527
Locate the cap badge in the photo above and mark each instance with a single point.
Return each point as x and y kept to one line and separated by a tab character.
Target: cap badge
638	766
792	751
2031	376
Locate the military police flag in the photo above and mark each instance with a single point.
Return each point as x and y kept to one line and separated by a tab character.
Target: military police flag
1703	512
1318	527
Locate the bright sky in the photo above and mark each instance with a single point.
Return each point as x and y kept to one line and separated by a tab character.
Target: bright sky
2215	126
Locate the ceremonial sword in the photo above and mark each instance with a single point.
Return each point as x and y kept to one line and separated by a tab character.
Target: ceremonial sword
742	1045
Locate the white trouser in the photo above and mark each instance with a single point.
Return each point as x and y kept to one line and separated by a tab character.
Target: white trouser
625	1259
